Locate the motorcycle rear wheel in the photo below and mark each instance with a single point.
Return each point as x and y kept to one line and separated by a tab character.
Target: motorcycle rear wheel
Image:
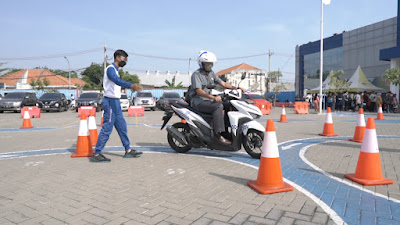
178	147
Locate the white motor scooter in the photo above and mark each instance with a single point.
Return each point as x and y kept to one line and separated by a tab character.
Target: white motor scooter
197	132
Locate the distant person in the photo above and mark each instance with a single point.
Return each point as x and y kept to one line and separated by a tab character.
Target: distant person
316	103
346	105
372	97
339	102
395	103
358	102
330	100
365	100
113	116
379	100
387	101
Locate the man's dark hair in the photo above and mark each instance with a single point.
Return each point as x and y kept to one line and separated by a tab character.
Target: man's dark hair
120	52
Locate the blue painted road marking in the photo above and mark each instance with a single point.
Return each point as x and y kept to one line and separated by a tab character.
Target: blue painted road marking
351	204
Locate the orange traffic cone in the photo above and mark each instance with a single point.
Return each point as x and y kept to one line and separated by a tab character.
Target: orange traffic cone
380	114
93	129
83	146
269	179
27	121
102	119
328	126
360	128
368	170
283	115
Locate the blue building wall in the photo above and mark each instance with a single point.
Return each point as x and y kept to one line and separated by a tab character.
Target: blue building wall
313	47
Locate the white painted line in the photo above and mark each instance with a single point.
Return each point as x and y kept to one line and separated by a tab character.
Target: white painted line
304	150
290	146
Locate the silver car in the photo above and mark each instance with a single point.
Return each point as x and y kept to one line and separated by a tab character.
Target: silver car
146	100
124	102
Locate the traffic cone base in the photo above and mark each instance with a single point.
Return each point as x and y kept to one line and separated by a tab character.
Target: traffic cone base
328	130
283	116
380	113
26	123
283	119
358	134
83	143
269	178
369	170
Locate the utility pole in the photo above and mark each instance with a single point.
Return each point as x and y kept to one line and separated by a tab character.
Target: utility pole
69	73
269	68
105	63
189	66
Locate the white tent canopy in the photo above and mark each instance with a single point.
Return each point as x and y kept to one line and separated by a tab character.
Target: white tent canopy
357	83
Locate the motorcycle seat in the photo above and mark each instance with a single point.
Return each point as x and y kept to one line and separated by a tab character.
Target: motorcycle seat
187	106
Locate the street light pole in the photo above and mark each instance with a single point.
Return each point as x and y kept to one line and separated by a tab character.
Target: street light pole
69	73
321	63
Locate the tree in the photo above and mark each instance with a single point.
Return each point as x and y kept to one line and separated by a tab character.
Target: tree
52	90
277	89
392	75
46	82
93	75
33	83
171	85
131	78
336	83
39	85
274	76
64	73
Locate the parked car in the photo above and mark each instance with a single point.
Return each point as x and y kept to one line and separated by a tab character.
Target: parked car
168	98
125	102
53	102
90	99
246	98
1	96
255	98
146	100
15	101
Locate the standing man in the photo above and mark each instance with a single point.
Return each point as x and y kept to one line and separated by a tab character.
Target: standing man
113	116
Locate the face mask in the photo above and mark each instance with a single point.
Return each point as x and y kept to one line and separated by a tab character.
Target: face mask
122	64
208	68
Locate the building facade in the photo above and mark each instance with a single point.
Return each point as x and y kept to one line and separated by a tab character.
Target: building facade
346	51
254	81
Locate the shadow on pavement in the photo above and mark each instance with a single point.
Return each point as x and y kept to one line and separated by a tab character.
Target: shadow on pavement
237	180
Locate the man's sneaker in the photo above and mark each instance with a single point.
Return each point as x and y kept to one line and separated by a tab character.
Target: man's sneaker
132	154
99	158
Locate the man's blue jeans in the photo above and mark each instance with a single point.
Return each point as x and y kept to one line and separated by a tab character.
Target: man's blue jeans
112	117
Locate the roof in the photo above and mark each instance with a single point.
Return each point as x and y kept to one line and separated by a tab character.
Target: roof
25	76
242	66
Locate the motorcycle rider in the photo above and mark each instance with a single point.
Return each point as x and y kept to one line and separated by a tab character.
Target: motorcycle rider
202	100
72	104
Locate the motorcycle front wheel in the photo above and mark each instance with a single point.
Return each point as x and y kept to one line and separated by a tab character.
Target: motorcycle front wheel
252	142
178	147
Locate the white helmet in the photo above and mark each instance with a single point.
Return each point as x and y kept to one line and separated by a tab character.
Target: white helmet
206	56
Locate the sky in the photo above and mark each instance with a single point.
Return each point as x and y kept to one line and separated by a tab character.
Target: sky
174	29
